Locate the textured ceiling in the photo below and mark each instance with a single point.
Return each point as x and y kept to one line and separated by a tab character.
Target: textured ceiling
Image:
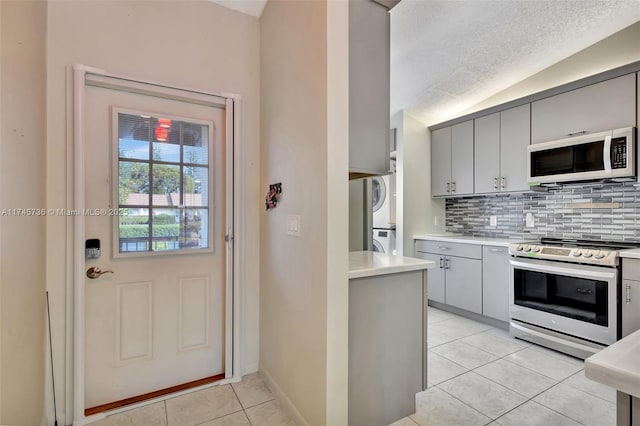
447	56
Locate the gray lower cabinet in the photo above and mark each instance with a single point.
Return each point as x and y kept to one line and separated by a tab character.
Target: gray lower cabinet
630	303
457	281
495	282
630	307
468	276
386	347
435	276
628	410
608	105
463	287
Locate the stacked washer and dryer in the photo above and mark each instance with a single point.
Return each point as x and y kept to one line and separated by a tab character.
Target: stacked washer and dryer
384	217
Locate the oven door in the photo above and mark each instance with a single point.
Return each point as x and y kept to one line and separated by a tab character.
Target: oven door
578	300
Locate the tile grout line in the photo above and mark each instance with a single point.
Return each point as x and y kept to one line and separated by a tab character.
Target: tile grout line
244	411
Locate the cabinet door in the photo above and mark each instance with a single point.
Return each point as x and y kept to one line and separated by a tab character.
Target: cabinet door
495	282
368	87
487	154
441	161
515	136
630	306
602	106
462	158
435	277
463	287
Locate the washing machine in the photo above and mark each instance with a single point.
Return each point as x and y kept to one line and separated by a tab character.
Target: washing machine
384	241
382	192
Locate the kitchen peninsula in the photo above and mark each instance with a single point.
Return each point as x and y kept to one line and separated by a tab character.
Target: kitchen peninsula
387	336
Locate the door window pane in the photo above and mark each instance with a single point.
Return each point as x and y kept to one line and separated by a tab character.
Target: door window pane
163	183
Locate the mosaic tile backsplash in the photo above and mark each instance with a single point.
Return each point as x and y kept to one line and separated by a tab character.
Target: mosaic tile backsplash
563	212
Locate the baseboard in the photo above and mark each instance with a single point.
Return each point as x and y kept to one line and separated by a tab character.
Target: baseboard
471	315
250	368
282	398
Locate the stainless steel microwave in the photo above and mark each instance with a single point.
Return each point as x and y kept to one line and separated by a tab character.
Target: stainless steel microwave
603	155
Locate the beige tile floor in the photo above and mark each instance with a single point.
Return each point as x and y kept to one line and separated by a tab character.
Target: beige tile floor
480	375
247	403
477	375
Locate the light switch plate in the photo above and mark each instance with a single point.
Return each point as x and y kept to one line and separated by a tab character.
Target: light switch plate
493	220
529	221
293	225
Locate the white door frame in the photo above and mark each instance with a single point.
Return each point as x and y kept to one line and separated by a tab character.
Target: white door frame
82	76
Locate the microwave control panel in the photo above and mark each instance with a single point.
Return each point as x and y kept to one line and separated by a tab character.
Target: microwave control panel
619	153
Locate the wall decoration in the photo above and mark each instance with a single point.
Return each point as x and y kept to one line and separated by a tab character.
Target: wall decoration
273	196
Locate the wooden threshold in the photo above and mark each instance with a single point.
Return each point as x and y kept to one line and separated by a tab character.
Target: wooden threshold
151	395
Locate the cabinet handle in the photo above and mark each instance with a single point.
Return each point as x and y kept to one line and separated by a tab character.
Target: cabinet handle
441	263
447	263
503	183
448	187
444	248
577	132
495	184
496	250
628	298
453	187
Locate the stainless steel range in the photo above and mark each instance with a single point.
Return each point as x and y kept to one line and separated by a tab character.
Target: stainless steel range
564	294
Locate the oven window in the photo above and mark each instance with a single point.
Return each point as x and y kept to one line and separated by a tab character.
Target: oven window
578	298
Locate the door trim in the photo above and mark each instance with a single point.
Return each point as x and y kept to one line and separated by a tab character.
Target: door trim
82	76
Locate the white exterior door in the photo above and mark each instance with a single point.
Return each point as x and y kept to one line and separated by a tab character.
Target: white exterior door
156	186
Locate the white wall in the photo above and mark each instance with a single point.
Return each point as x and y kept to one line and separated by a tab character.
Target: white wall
194	44
416	211
303	293
22	244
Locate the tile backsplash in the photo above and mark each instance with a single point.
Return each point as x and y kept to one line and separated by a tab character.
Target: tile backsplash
568	211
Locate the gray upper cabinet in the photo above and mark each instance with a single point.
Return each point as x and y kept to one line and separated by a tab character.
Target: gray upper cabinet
608	105
441	162
369	65
495	282
501	141
487	153
515	136
452	160
462	158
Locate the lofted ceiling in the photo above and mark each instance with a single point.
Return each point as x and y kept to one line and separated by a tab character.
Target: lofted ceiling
447	56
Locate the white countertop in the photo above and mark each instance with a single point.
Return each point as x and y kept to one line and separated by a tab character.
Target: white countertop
618	365
368	263
457	238
630	254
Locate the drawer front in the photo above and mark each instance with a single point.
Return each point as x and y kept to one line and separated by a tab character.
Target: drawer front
473	251
631	269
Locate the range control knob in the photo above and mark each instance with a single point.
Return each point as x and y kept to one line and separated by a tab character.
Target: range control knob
527	248
587	254
536	249
519	247
576	253
600	255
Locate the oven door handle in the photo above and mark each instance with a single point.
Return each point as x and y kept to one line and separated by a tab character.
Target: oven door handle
573	270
